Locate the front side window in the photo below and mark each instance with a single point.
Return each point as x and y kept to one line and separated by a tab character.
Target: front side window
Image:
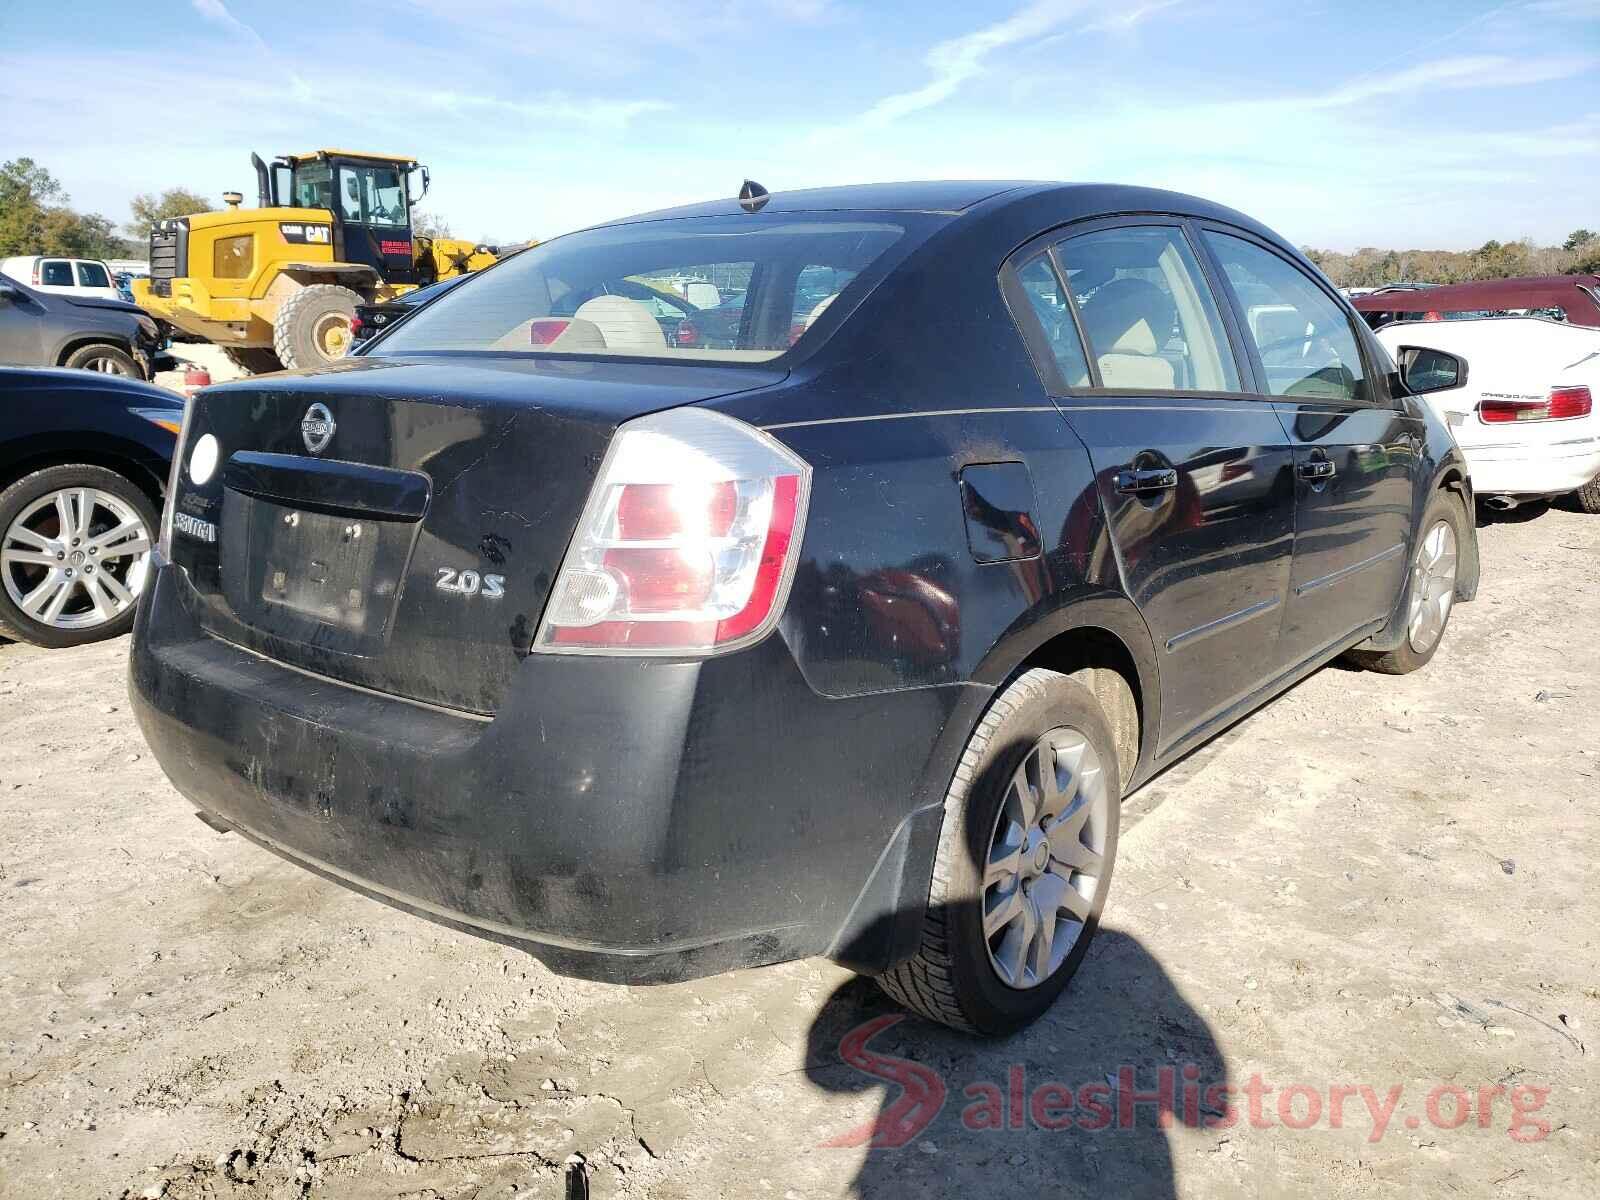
313	185
1149	317
1303	338
92	274
55	274
706	288
1049	304
373	195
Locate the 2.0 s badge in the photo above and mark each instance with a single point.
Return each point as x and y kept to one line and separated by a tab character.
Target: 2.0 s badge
470	583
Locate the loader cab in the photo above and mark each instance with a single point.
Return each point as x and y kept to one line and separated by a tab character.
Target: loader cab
370	199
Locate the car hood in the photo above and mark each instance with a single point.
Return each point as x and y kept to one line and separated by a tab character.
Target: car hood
97	302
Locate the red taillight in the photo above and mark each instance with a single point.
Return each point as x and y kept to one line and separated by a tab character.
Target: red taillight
357	324
1564	404
687	542
35	272
1568	402
686	335
1433	316
544	330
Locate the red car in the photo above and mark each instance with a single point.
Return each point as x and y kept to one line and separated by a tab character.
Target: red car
1574	299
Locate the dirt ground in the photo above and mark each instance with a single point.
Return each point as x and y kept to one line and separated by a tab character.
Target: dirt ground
1373	884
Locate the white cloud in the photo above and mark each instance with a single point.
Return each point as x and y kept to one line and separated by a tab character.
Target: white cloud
961	59
1468	71
217	13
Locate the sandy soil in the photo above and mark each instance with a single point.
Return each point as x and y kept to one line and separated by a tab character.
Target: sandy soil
1374	883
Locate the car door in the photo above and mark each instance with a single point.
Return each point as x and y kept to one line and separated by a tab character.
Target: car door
1355	449
21	327
1193	471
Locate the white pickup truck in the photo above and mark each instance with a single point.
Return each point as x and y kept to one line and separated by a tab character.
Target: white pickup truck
1525	416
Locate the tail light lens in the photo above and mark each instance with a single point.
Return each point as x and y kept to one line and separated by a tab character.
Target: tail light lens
36	265
1564	404
174	478
357	325
687	544
1567	402
686	334
544	330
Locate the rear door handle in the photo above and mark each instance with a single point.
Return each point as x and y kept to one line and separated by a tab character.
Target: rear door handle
1317	470
1146	479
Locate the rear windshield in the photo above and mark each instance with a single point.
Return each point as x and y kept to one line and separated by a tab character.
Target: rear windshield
704	288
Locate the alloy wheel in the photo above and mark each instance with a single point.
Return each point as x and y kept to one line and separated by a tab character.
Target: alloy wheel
75	558
1046	863
1433	586
107	365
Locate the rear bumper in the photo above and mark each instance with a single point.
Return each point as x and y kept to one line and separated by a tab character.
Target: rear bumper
622	819
1550	469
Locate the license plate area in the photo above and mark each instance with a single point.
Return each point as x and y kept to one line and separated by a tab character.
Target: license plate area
318	578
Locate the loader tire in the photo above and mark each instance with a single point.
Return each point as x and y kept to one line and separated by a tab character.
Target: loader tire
313	326
253	360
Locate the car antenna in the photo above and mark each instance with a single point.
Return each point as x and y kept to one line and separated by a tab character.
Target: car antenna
753	197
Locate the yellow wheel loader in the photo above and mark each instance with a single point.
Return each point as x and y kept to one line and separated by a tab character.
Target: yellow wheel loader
277	286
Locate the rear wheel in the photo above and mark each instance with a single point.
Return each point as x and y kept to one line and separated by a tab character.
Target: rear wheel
313	326
74	552
1588	496
1430	590
253	360
1023	863
106	359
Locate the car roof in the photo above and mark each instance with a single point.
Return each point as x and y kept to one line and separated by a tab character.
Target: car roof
949	196
1518	292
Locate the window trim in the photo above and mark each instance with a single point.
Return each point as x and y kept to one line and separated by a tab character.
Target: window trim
1033	333
1376	397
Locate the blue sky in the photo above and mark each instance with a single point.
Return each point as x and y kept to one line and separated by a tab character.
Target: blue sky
1437	124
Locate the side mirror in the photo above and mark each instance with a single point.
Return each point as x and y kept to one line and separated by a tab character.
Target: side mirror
1424	370
8	293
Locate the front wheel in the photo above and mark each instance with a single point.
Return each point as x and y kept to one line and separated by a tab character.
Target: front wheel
1430	589
313	326
74	553
106	359
1023	862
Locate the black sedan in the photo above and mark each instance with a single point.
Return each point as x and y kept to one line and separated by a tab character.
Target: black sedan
84	460
372	319
848	638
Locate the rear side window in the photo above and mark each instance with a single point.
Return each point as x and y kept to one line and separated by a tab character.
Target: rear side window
1305	342
705	288
1049	304
55	273
92	274
1149	317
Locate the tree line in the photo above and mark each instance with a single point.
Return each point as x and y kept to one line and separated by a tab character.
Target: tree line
1372	267
37	217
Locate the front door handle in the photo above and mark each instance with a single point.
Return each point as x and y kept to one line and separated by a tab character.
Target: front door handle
1317	471
1145	480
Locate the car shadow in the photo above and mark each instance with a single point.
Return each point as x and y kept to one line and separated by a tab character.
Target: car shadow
1531	510
1086	1101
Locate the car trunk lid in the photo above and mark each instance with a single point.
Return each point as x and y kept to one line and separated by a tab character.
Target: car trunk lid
397	524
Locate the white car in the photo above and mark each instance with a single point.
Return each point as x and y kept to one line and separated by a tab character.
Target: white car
1525	416
65	276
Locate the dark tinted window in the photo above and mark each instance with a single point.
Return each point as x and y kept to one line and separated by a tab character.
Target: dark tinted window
55	273
92	274
1303	337
1147	311
1049	304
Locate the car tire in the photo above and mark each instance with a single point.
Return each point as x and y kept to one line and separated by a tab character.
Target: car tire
958	975
114	499
105	358
307	330
1444	510
1588	497
253	360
